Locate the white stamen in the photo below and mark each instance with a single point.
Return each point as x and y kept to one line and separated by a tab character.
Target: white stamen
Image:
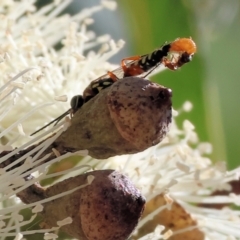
65	221
49	236
62	98
111	5
38	208
19	236
187	106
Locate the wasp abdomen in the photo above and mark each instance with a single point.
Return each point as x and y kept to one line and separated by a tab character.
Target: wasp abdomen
149	61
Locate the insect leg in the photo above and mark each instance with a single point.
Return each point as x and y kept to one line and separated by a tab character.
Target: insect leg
123	62
169	64
113	76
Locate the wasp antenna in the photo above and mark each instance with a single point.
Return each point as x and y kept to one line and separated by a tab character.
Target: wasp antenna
61	117
55	120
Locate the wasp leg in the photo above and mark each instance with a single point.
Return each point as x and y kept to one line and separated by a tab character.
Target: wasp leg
113	76
53	121
170	65
123	62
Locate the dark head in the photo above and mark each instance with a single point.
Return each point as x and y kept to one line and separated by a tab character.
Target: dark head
184	58
76	102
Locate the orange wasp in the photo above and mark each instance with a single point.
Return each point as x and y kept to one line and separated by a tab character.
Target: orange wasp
180	51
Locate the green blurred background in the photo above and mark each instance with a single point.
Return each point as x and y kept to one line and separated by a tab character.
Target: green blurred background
210	81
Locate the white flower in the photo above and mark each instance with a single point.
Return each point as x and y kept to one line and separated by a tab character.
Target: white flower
34	74
183	173
27	44
35	81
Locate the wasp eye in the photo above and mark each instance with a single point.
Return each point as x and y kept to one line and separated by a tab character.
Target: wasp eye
185	58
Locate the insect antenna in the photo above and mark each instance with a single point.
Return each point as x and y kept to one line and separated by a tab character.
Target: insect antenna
56	120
